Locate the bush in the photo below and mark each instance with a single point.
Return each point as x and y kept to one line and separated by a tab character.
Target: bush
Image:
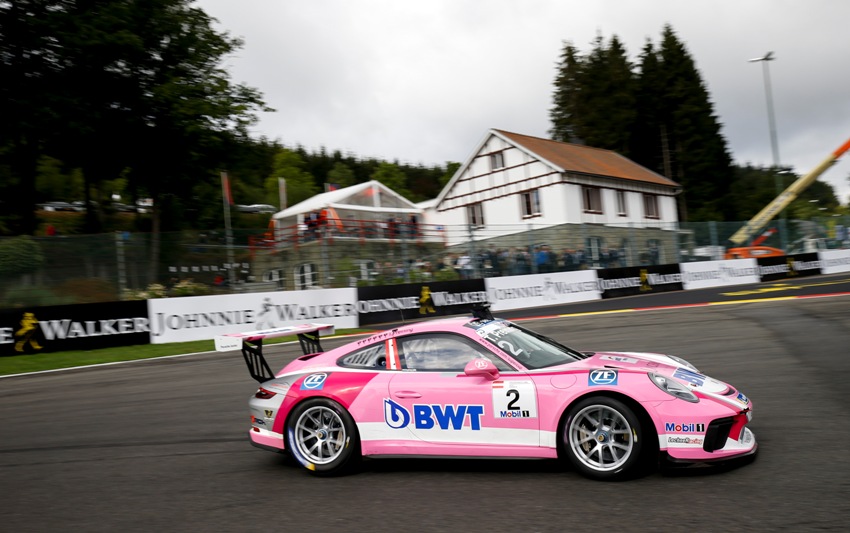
87	290
19	255
32	296
154	290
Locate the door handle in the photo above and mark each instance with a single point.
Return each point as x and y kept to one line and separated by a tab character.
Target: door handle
407	394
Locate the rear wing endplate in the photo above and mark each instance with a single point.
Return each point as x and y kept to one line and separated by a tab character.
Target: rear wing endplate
251	344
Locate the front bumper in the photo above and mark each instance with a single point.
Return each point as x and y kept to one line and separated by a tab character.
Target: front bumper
708	432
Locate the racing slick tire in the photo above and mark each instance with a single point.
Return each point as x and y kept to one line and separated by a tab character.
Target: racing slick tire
322	437
603	438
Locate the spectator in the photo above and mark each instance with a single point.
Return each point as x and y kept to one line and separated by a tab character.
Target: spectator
581	259
654	254
464	265
568	260
521	262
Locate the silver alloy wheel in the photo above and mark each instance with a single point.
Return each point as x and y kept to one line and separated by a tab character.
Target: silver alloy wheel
601	437
320	435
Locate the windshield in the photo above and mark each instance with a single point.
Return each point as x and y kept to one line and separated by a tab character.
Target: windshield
530	349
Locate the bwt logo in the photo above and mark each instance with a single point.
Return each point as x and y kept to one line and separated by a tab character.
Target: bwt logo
435	415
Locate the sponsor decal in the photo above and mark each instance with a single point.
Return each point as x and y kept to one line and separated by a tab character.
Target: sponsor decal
426	303
385	335
73	327
514	399
531	290
269	413
164	323
415	300
684	428
685	440
431	416
314	381
629	281
602	377
224	343
26	334
743	399
694	379
619	359
272	314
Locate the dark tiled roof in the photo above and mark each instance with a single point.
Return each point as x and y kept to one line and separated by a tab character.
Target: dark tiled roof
587	160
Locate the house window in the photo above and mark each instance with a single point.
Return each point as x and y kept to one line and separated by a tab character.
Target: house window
306	276
593	249
475	215
592	200
650	206
621	204
497	160
530	203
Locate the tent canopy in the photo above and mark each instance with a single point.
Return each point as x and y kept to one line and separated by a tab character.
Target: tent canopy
371	200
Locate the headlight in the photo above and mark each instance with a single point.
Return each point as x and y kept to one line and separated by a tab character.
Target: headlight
673	387
683	362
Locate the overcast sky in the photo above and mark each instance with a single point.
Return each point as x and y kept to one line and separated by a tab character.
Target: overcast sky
422	82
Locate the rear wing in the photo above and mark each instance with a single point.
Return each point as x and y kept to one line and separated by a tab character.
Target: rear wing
251	344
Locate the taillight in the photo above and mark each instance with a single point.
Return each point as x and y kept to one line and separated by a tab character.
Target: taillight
263	394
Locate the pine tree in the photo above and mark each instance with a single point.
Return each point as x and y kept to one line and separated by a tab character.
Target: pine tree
699	159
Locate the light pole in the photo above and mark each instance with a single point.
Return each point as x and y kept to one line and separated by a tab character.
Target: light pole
771	121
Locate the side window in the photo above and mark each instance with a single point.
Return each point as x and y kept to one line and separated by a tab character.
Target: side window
443	352
374	356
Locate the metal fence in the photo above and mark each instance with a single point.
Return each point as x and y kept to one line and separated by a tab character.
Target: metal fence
119	266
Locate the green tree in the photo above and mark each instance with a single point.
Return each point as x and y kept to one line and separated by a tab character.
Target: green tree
52	183
700	161
451	168
19	255
391	175
29	105
341	175
565	114
660	117
110	85
300	185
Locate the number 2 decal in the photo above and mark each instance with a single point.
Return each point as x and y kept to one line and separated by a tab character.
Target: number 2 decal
514	399
513	403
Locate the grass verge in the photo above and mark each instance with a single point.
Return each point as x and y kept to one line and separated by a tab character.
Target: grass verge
21	364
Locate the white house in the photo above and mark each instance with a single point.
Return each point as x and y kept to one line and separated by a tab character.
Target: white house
513	180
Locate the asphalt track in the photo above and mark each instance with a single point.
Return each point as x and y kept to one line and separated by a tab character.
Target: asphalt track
160	445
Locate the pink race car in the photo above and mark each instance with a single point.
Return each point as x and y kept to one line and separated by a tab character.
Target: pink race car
485	387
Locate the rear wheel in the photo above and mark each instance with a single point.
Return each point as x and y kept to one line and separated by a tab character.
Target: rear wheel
603	437
322	437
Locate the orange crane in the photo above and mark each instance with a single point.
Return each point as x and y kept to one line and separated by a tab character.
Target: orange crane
786	197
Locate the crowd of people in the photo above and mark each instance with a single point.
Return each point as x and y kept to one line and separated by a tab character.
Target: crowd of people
511	262
318	223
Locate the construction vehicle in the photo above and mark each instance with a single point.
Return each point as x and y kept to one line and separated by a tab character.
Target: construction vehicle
742	236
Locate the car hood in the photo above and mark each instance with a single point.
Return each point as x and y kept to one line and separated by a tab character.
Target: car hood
660	364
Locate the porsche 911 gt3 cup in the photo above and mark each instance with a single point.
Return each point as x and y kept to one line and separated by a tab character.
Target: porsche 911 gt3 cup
484	387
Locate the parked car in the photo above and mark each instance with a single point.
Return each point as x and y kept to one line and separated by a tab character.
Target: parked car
484	387
257	208
60	206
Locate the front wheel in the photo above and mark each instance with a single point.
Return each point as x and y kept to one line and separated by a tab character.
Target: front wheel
322	437
603	438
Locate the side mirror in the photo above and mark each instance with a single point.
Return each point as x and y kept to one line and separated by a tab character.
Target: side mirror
481	367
